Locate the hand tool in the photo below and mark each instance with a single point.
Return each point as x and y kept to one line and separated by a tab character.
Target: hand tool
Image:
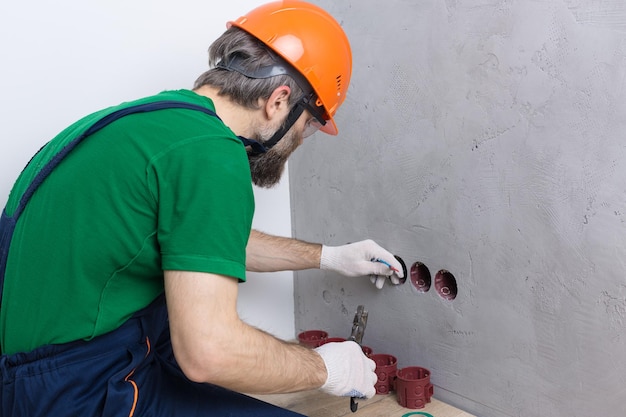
358	328
385	263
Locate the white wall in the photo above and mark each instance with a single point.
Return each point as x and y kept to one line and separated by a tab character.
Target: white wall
64	59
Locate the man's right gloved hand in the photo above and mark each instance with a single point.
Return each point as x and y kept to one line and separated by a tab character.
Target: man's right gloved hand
358	259
350	372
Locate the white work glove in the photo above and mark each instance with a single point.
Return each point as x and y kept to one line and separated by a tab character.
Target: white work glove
359	259
350	372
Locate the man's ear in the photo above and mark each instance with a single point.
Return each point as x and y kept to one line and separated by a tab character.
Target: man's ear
277	105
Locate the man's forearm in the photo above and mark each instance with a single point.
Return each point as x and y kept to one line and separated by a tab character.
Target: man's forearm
213	345
282	367
267	253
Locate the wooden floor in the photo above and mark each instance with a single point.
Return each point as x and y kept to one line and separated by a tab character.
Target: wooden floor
318	404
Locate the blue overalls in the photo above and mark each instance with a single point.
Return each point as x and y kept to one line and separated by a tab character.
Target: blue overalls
130	372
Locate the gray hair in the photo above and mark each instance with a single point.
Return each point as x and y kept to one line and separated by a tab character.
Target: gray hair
253	55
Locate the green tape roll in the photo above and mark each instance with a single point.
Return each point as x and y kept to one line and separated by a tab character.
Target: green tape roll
418	413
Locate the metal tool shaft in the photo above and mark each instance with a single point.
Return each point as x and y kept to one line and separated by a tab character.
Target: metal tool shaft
358	329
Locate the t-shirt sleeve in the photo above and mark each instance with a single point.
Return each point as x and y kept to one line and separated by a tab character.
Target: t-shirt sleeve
205	205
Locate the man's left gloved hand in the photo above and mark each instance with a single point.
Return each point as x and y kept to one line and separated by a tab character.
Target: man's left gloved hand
359	259
350	372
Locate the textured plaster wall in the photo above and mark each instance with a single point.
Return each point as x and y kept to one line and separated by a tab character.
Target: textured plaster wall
487	138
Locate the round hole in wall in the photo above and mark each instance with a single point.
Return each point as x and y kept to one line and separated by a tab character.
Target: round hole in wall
402	280
445	285
420	277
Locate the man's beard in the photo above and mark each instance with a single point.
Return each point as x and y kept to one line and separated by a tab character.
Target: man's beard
267	168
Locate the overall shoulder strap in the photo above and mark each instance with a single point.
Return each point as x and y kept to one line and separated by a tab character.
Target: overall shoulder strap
8	223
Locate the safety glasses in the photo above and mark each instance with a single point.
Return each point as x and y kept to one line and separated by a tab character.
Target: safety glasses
317	119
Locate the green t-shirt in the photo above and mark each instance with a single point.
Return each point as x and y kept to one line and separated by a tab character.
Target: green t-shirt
163	190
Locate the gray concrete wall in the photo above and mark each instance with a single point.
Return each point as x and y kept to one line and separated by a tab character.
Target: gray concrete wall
485	138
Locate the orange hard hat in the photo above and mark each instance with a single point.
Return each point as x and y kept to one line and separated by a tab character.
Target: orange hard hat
312	41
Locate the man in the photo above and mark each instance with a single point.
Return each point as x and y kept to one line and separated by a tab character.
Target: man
125	238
